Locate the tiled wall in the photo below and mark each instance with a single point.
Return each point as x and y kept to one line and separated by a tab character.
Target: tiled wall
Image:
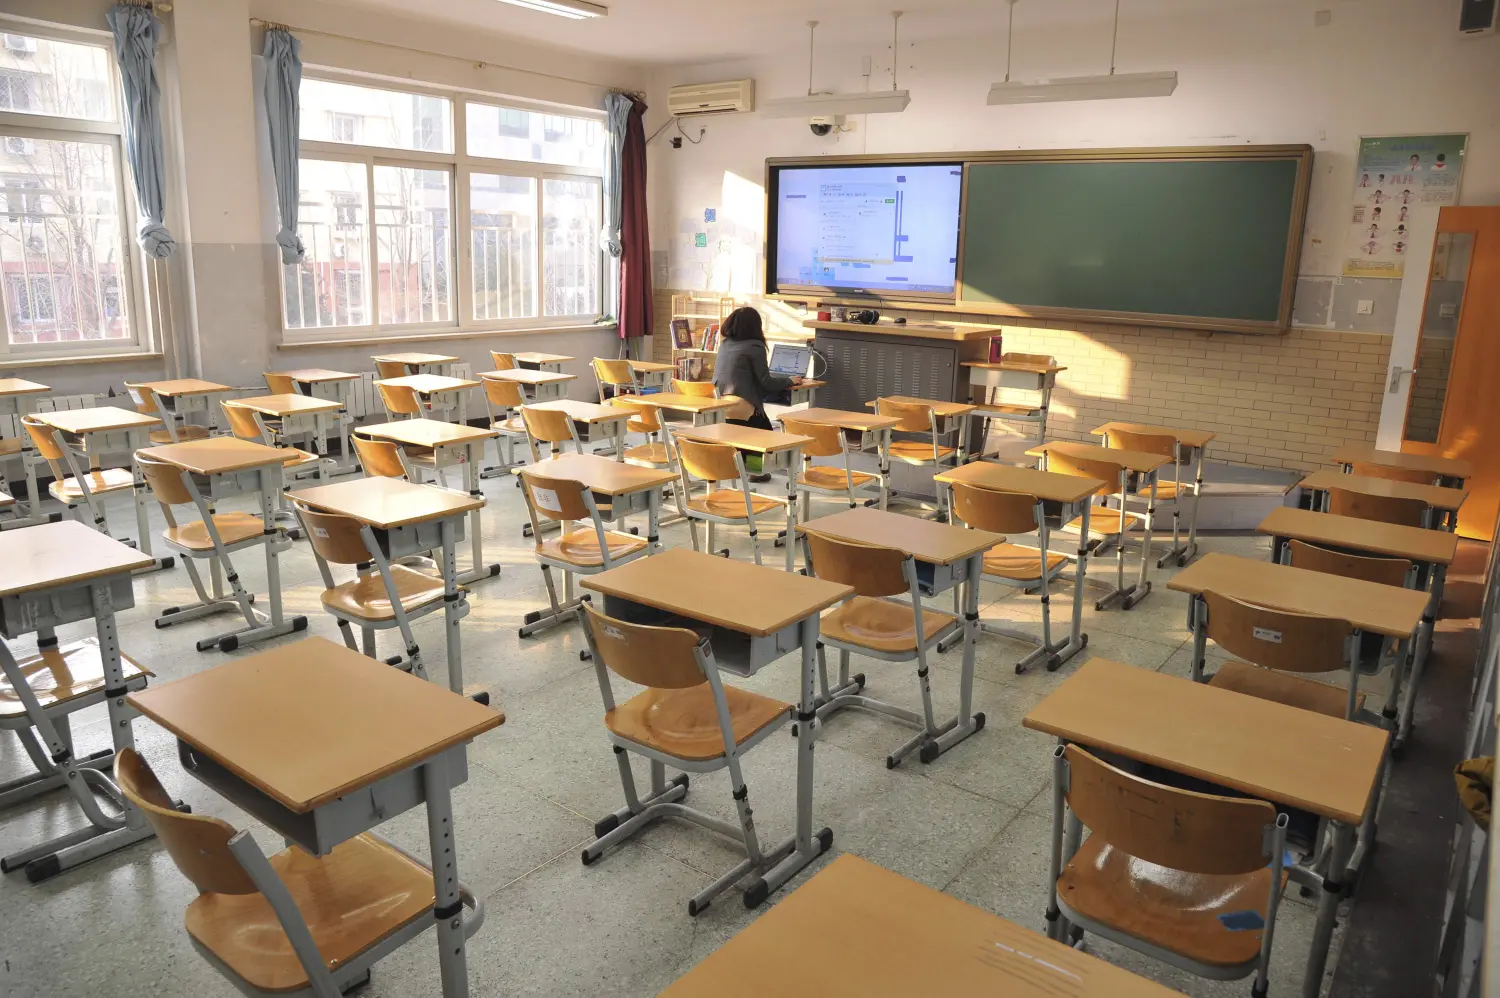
1275	401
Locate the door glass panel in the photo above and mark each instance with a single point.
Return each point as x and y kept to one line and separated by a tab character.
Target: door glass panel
1445	296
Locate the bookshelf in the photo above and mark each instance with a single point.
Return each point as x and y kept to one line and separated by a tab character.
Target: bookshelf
700	312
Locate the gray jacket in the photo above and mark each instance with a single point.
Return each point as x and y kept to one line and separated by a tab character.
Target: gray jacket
741	369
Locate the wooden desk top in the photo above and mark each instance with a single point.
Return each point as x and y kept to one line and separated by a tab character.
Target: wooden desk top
686	403
542	358
951	331
1436	496
309	722
185	386
896	937
314	375
651	366
926	540
1187	438
1013	365
220	455
53	554
746	438
97	419
1433	547
1042	484
415	359
1133	460
1283	754
1370	606
585	412
737	595
288	405
1448	467
429	433
601	474
385	503
938	406
844	420
430	384
19	386
526	376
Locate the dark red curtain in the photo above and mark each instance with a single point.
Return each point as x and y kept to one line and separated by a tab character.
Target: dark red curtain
635	231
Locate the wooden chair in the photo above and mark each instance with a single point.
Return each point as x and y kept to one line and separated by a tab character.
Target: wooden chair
714	463
1412	476
281	384
503	361
587	551
1383	509
504	399
1191	879
697	389
401	402
384	459
1107	527
928	453
77	489
872	623
388	369
686	718
1015	405
177	428
614	377
1173	491
825	479
1373	648
248	424
645	420
391	596
292	922
552	427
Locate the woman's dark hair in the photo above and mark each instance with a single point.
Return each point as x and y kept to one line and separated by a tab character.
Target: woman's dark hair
743	324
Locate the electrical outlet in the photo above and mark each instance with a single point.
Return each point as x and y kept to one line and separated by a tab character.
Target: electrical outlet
1365	306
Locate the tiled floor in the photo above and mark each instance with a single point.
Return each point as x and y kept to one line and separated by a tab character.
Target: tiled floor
974	823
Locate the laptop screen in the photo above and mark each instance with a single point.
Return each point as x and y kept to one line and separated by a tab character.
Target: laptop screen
790	360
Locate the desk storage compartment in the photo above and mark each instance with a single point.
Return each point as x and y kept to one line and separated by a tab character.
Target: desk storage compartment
25	612
734	651
935	579
418	538
235	483
989	377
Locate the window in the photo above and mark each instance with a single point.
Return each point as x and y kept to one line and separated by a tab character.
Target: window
422	210
19	199
18	92
60	79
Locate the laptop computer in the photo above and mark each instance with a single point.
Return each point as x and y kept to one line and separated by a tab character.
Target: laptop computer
791	360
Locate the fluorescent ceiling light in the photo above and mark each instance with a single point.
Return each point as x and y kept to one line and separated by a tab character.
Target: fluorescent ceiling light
817	105
575	10
1085	88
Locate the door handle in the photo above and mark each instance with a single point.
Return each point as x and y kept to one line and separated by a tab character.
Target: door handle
1396	373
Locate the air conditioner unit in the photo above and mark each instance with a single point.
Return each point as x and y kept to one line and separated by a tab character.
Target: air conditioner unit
711	98
18	146
1478	17
20	43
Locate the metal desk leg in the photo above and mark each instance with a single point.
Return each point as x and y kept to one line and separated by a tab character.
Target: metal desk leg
140	491
619	436
653	517
1421	647
452	600
964	724
478	570
1328	902
1130	597
1077	640
448	909
793	462
885	466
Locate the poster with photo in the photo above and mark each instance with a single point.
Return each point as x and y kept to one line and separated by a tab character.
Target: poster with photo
1396	177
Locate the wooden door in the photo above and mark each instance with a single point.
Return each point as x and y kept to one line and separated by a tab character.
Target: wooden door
1454	405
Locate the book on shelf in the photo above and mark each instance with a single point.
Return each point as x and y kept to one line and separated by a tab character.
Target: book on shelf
682	334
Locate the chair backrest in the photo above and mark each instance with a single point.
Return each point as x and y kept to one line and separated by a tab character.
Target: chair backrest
1083	467
1384	509
613	372
1145	443
1408	475
662	658
379	458
143	397
994	510
503	394
697	389
708	462
1178	829
1386	571
281	384
870	569
1029	358
554	498
242	422
915	417
503	361
385	369
45	438
1277	639
199	845
165	481
645	419
399	399
552	426
827	440
334	537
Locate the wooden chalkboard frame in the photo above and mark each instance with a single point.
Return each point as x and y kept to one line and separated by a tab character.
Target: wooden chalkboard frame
1301	154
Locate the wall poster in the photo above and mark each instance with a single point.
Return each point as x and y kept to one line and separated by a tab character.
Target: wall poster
1396	177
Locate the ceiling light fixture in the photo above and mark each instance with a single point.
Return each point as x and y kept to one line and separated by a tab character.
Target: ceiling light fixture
575	10
1071	88
820	105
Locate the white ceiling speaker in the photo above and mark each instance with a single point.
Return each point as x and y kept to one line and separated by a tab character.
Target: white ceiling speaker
818	105
1075	88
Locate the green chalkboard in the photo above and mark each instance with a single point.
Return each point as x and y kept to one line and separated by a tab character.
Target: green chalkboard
1205	241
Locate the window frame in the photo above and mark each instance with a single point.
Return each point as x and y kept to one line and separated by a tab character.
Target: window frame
44	127
460	166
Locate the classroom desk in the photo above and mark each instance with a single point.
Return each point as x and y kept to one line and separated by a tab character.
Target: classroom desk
703	410
1194	442
629	488
539	386
300	415
867	430
93	433
803	391
181	397
323	744
534	361
1268	750
1452	471
757	615
1050	487
318	382
57	574
946	413
222	468
947	557
1145	467
779	452
1440	500
17	399
591	414
433	386
986	375
418	363
410	519
855	930
451	443
650	374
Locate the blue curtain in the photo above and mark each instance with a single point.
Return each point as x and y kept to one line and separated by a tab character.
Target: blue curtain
616	118
283	116
137	32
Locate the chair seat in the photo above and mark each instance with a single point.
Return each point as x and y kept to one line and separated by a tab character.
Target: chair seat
649	454
301	459
362	892
825	476
99	483
6	500
1164	490
685	724
1284	688
1105	522
917	451
232	527
581	547
9	446
1007	409
1171	909
880	625
729	504
367	599
1018	563
185	432
67	672
514	424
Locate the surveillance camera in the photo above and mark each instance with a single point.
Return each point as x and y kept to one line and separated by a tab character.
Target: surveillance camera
820	128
